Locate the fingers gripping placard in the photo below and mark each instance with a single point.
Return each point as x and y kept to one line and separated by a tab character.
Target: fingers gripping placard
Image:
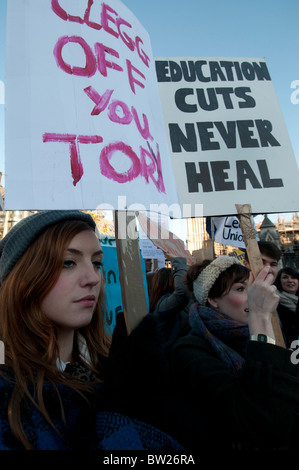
254	256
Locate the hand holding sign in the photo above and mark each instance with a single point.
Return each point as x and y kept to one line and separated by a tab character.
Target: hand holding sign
169	243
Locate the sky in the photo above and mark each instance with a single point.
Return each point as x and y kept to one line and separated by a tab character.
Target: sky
231	28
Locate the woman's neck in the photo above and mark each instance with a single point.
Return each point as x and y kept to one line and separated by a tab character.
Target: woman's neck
65	343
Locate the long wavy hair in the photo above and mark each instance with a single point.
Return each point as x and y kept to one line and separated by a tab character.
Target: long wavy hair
30	338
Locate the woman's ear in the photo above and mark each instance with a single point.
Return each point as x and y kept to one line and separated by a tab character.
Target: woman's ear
213	303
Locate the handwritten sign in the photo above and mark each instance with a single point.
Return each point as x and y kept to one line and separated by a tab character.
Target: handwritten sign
84	121
229	232
164	239
112	285
227	136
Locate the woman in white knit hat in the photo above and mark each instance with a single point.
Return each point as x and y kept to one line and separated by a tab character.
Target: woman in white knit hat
243	386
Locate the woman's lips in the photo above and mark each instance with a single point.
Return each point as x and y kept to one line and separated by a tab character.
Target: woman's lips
87	301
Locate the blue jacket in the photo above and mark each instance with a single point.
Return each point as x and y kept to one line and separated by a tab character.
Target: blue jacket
86	427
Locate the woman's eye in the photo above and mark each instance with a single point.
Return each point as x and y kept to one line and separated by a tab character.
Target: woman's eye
98	264
68	263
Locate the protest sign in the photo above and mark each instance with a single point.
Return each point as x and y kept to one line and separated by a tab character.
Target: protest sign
112	285
227	137
84	122
164	239
228	231
150	251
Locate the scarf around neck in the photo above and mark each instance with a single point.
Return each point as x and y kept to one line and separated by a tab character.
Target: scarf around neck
227	337
288	300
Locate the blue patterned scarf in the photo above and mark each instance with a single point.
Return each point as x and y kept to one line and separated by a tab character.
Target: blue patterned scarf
227	337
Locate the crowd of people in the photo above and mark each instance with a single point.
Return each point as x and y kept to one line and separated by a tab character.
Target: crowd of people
202	370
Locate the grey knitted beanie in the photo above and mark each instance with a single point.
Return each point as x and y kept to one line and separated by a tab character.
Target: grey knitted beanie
23	234
206	279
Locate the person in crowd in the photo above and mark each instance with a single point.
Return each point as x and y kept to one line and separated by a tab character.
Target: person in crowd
149	278
287	283
242	385
138	374
52	325
169	300
52	305
148	265
270	255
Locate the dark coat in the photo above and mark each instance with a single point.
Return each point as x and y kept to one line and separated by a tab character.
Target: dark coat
289	323
88	425
256	409
137	380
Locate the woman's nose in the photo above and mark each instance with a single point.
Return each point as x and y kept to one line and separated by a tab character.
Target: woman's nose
90	275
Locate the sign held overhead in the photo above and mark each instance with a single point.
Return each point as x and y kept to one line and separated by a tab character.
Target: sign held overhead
226	134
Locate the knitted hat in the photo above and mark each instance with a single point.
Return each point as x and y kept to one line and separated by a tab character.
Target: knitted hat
23	234
206	279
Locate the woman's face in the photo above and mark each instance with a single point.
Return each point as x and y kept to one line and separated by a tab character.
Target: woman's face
289	283
234	304
71	302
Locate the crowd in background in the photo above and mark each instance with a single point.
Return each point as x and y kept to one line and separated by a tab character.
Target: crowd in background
201	371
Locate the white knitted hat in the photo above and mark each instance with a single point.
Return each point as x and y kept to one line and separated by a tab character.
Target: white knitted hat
206	279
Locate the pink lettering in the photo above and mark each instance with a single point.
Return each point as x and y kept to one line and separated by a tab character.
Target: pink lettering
132	79
105	18
90	67
110	172
148	165
125	38
59	11
148	170
73	140
63	14
101	50
145	132
101	101
108	19
114	117
143	56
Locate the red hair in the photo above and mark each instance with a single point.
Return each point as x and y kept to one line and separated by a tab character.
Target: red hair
30	338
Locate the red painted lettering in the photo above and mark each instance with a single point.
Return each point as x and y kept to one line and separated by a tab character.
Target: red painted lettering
132	79
101	101
149	165
77	19
145	132
147	171
125	38
105	18
126	118
90	67
111	22
110	172
101	51
73	140
143	56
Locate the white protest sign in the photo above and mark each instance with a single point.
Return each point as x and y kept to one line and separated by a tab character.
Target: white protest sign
149	250
84	121
164	239
226	133
229	232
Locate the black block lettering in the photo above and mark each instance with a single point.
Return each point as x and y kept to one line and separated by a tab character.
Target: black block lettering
179	140
220	176
194	178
